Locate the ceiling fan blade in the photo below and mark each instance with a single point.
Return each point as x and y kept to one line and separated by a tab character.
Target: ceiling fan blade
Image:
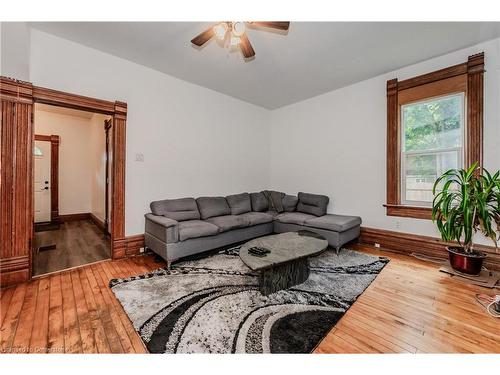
280	25
246	47
204	37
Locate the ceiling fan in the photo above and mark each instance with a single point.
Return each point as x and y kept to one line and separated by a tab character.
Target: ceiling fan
234	34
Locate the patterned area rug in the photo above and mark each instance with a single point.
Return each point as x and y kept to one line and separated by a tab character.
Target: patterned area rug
213	305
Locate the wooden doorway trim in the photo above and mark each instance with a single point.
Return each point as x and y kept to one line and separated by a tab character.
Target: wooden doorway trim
107	127
54	173
16	179
118	111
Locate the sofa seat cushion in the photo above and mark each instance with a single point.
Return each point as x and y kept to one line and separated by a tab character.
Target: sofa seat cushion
212	206
298	218
228	222
336	223
196	228
176	209
256	218
239	203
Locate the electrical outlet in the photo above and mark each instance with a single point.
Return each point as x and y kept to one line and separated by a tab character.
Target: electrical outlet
141	250
398	224
139	157
377	245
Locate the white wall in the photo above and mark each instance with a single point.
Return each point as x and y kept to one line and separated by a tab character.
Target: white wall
195	141
14	50
74	161
335	144
199	142
82	151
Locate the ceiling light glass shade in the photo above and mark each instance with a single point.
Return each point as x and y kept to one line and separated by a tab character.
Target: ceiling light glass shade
220	30
235	41
238	28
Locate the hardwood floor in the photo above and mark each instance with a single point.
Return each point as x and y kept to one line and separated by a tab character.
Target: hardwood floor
77	243
410	307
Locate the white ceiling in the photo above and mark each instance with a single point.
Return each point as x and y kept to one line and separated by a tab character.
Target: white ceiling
313	58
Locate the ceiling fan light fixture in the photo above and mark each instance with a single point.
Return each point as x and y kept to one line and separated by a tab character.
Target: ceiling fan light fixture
233	34
239	28
220	30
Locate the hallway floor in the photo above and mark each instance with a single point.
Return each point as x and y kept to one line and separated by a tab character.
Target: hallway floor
77	243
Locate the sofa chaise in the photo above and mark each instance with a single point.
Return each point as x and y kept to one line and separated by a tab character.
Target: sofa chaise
177	228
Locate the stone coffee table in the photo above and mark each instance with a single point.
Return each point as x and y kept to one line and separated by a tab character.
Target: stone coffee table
286	265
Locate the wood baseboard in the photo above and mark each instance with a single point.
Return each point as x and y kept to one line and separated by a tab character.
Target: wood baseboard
14	270
128	246
98	222
74	217
407	243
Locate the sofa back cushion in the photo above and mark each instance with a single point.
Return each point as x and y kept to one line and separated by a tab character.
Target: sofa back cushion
177	209
290	203
259	202
212	206
239	203
313	204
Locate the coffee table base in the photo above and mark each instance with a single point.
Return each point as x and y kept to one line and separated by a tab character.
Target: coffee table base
283	276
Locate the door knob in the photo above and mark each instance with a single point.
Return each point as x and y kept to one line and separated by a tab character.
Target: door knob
46	188
46	182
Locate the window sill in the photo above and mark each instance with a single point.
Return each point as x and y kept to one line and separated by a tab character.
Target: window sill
416	212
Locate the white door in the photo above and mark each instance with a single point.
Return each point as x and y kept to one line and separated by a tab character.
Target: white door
41	155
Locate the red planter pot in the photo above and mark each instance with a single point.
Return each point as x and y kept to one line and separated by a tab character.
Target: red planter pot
460	261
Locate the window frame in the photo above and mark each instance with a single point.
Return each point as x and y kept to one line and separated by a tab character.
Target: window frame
403	154
467	78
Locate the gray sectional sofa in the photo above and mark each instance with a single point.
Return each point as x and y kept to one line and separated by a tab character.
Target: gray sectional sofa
177	228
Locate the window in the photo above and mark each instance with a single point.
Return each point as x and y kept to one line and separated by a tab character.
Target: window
434	123
432	142
37	151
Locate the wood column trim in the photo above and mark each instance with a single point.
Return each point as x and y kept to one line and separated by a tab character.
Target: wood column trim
15	90
118	181
16	181
54	173
474	131
393	144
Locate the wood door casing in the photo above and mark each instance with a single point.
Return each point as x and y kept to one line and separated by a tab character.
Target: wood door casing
16	164
16	183
54	173
107	129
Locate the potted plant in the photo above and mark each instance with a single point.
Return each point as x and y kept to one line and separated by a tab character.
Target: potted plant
467	201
